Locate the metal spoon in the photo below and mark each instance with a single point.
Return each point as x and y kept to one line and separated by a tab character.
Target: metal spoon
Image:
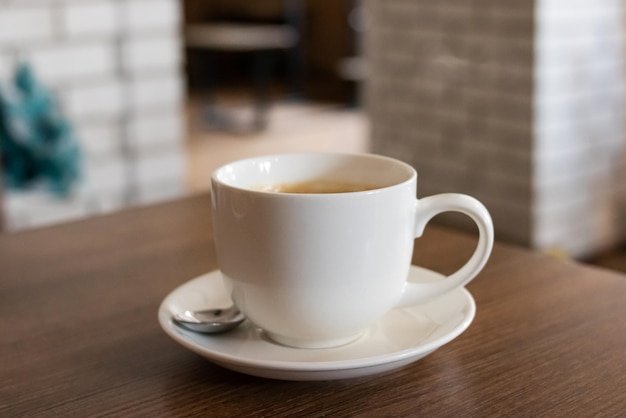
210	321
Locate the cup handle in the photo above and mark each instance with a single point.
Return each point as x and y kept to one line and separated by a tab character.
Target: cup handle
426	209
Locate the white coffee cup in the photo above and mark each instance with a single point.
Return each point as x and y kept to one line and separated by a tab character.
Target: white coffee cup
316	269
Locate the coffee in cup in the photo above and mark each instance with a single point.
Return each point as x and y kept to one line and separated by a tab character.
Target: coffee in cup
318	186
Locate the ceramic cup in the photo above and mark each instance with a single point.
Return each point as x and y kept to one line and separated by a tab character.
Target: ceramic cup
314	270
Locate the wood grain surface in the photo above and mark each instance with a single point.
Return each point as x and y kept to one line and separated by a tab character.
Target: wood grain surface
79	333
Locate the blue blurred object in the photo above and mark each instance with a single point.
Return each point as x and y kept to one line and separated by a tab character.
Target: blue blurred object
37	143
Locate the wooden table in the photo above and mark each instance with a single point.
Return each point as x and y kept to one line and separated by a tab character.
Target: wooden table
80	337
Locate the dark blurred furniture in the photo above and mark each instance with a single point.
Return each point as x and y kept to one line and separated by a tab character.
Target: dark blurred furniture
261	35
352	67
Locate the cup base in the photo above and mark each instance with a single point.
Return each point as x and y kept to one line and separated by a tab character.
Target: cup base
303	343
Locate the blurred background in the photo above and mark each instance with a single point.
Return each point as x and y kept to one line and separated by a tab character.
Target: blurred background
108	104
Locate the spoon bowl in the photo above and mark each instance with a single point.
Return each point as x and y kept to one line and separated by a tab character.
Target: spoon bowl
210	321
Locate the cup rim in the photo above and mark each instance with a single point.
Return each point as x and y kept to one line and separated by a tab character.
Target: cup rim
215	175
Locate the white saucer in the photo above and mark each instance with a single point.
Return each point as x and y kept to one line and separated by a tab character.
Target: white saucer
401	337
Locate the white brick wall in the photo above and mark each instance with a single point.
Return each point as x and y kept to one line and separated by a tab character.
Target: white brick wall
19	25
156	92
116	67
32	210
520	104
579	117
155	172
100	139
105	176
6	66
147	54
91	18
148	131
71	62
161	167
99	100
144	15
